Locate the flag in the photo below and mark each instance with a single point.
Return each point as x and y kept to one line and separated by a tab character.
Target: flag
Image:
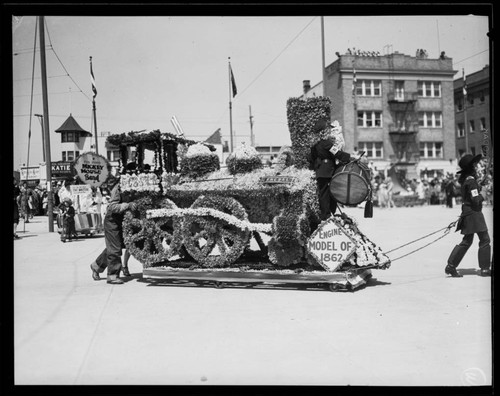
233	83
465	84
354	81
92	79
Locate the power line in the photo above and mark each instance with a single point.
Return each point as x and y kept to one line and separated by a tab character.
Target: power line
52	48
283	50
472	56
269	65
38	78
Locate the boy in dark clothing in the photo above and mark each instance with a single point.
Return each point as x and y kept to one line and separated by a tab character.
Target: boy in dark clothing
68	216
471	220
323	160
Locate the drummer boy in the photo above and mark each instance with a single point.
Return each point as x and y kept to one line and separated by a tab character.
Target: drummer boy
326	156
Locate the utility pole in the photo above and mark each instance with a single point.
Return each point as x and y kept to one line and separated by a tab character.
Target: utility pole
252	137
40	118
46	128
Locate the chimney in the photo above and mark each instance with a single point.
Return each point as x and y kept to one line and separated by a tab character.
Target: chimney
306	85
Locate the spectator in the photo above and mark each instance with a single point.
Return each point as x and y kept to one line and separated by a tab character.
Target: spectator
419	190
23	203
45	201
17	192
390	192
382	195
449	189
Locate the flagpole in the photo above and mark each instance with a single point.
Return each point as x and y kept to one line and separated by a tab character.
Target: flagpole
464	91
323	65
230	107
93	107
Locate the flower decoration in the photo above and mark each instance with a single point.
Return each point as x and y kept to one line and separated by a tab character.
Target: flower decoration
244	159
303	118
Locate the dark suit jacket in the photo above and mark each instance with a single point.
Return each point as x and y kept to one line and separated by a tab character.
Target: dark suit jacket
322	160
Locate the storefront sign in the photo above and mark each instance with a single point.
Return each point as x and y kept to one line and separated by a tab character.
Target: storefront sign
92	169
61	168
330	245
30	173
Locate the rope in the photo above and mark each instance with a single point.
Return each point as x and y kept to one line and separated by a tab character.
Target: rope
446	232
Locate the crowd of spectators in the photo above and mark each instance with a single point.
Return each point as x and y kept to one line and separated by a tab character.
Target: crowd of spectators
439	190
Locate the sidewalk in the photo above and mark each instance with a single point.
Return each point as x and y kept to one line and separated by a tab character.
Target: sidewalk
411	326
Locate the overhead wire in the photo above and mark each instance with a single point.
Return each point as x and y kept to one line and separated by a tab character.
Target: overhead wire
269	64
64	67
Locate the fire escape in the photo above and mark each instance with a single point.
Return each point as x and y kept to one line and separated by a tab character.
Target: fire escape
403	131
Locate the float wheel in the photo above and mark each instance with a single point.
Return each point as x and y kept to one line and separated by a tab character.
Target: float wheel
153	240
211	241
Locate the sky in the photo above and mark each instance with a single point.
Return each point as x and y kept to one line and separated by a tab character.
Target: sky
149	69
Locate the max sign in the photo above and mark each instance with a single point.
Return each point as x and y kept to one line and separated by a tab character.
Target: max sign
93	169
330	245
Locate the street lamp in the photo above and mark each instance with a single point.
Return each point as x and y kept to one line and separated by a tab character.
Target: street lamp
40	118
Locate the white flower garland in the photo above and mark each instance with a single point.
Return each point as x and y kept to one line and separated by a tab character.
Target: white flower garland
179	212
140	182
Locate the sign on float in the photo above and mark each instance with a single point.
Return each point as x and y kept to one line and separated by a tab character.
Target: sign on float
330	245
92	169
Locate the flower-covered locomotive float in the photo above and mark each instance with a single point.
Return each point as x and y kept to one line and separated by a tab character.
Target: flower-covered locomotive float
241	222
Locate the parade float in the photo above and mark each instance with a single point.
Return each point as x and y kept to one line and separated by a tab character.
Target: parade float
240	223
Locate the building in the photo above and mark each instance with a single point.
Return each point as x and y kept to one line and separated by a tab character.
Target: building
398	109
472	113
73	139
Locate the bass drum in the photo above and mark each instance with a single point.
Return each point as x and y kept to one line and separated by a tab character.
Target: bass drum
350	184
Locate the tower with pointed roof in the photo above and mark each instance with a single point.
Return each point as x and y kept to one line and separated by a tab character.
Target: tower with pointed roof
73	139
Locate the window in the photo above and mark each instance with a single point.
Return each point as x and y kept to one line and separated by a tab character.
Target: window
483	123
70	155
471	126
370	119
70	137
399	88
368	87
460	104
429	89
481	96
113	155
431	150
470	99
460	130
372	149
430	119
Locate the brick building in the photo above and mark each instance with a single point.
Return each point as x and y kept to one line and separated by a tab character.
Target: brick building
398	109
472	112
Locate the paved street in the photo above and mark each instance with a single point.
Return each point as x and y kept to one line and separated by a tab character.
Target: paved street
410	326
